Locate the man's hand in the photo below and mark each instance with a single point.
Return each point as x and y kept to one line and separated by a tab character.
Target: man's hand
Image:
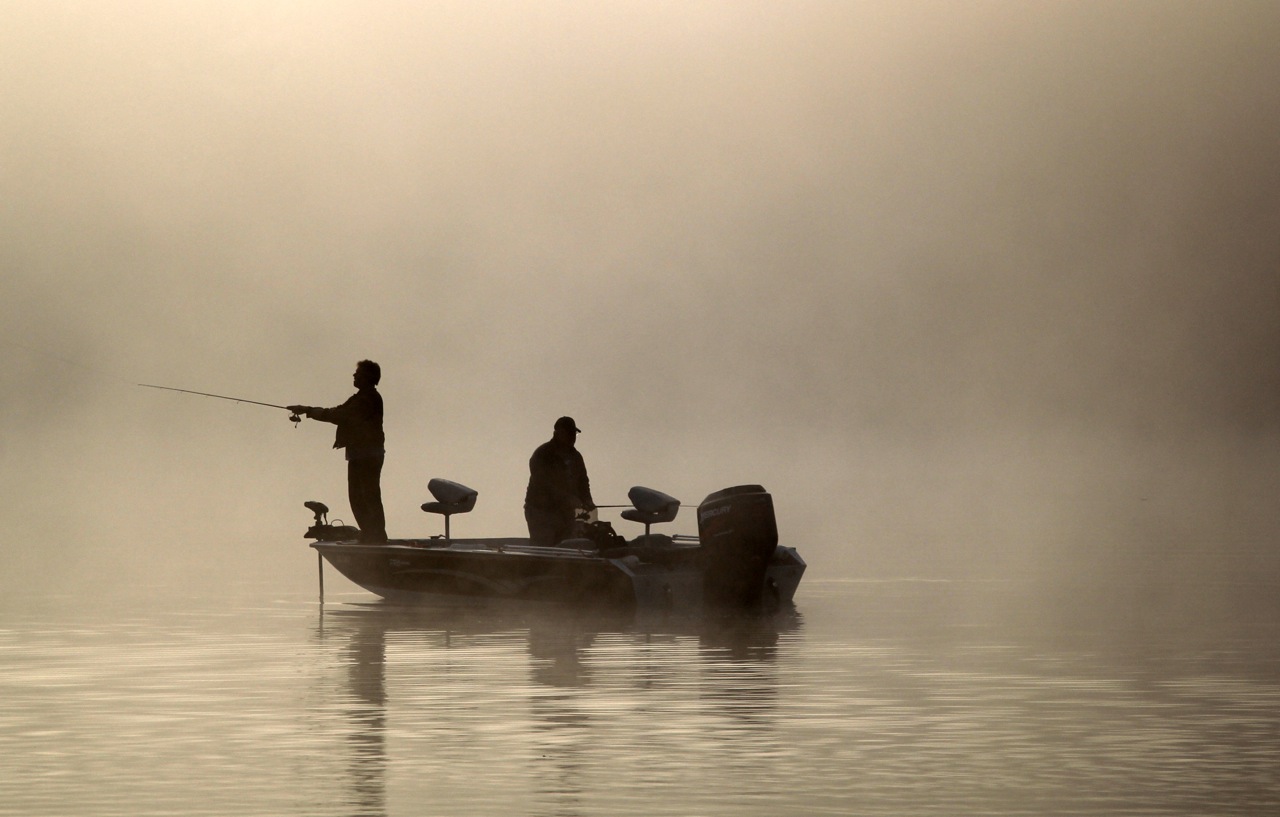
303	410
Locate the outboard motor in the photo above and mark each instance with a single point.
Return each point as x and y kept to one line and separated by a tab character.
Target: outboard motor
739	533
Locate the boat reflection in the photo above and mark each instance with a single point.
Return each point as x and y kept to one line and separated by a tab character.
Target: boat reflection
563	697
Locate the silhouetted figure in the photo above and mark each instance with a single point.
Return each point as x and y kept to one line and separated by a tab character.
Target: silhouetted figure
359	422
558	486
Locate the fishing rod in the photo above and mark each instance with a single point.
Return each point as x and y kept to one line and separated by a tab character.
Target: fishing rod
292	415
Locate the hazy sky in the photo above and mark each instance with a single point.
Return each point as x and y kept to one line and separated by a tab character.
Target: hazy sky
985	283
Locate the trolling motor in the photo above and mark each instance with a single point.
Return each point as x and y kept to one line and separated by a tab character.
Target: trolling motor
320	509
322	531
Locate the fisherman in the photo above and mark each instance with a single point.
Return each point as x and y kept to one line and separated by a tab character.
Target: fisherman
359	422
558	486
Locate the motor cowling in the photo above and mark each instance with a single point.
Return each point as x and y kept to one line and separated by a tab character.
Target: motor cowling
739	533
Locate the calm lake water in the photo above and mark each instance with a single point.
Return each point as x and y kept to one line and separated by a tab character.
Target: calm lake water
867	698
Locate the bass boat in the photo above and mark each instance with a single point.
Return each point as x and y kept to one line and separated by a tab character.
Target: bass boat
734	561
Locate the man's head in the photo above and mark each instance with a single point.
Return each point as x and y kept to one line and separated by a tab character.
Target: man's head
367	373
566	430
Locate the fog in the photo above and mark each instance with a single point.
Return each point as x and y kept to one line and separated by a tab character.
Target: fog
976	290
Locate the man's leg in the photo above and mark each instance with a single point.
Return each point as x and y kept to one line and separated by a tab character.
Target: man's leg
364	490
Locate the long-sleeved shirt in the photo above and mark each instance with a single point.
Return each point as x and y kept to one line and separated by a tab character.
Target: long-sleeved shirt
557	479
359	422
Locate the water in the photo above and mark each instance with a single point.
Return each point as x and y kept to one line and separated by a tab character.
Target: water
868	698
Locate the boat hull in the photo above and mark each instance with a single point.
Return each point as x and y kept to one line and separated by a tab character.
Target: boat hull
671	577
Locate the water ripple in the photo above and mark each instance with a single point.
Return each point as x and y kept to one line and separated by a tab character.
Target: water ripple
371	709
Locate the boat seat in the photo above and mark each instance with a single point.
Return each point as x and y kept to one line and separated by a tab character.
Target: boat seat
651	507
451	498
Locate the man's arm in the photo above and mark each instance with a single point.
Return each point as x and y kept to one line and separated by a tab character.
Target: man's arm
584	484
337	414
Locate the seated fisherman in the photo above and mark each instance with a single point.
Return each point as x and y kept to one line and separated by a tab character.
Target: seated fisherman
558	485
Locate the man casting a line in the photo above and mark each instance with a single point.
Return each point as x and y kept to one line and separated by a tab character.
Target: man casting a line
359	422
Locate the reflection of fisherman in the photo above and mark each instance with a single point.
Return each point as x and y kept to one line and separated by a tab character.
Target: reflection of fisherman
557	486
359	422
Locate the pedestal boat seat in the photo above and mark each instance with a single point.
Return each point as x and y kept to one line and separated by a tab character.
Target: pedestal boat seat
451	497
651	507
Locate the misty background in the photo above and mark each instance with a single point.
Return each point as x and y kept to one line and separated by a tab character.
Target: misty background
976	290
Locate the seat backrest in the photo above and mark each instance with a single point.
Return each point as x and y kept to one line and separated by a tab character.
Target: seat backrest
459	496
659	507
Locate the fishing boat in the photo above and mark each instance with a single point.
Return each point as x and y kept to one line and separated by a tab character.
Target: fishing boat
734	561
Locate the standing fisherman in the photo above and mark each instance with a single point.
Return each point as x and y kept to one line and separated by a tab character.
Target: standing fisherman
359	422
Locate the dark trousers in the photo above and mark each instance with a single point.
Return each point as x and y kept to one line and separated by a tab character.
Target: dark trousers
547	528
364	490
